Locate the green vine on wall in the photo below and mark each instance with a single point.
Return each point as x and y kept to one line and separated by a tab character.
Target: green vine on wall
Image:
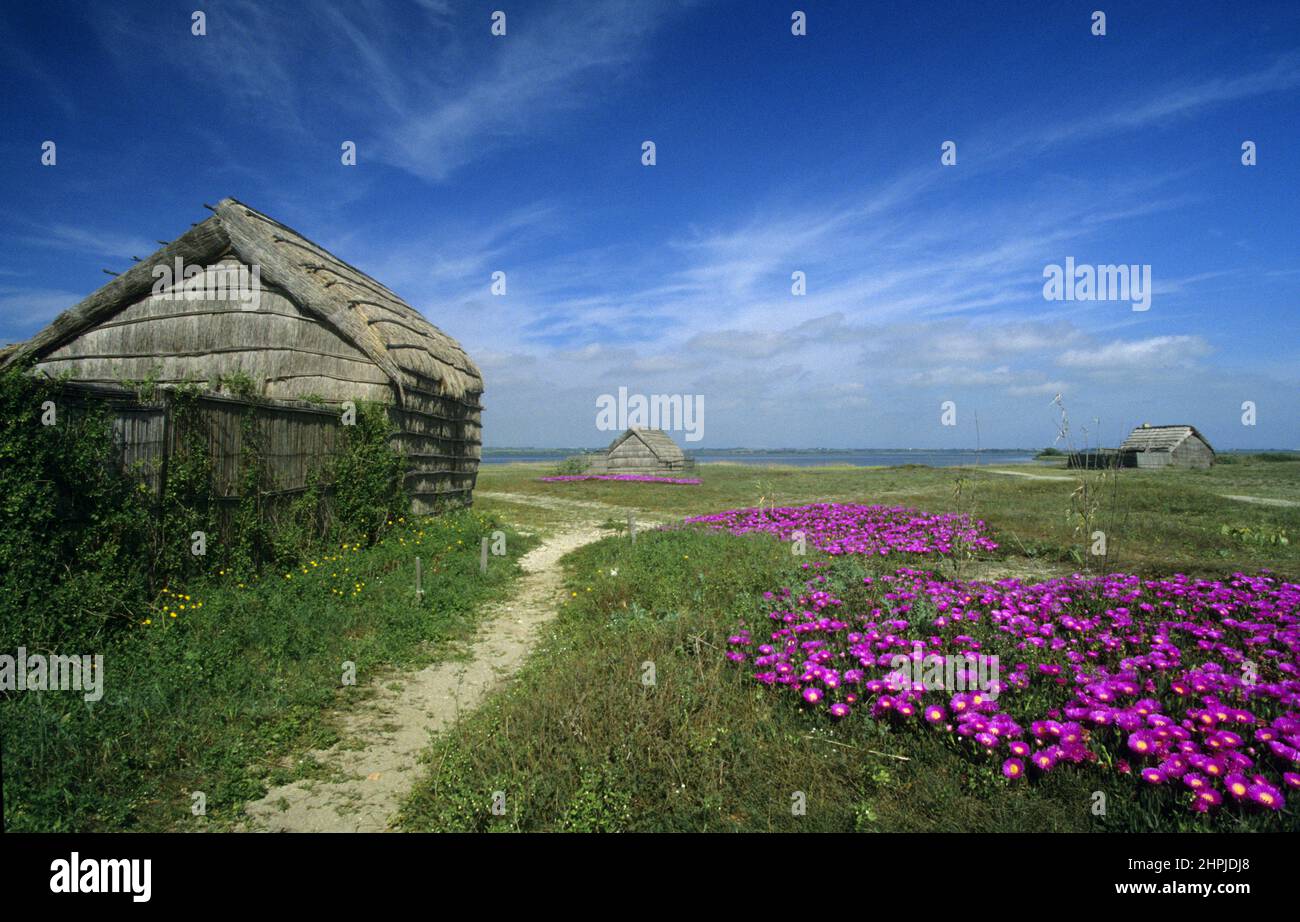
85	545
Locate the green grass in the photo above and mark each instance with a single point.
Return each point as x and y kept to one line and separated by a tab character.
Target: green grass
224	697
1156	521
579	741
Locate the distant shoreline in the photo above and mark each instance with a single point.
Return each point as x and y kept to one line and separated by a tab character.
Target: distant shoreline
816	457
803	457
776	451
703	452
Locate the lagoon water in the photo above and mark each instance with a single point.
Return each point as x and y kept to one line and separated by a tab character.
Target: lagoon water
867	457
873	458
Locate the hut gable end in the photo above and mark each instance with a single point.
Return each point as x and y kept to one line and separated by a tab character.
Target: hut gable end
657	442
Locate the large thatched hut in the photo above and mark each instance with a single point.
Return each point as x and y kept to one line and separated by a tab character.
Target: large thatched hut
1167	446
241	295
643	451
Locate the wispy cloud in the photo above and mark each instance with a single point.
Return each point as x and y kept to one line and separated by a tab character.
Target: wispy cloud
1177	101
24	309
1156	352
421	94
536	72
86	241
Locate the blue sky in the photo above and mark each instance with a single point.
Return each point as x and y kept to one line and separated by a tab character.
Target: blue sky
775	153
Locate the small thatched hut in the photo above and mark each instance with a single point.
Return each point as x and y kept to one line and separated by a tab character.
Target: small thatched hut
1167	446
242	294
643	451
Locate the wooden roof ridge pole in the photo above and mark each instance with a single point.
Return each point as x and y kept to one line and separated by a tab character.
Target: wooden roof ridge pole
253	247
353	277
369	280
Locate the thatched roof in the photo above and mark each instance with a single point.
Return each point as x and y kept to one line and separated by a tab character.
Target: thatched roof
410	351
1160	438
660	444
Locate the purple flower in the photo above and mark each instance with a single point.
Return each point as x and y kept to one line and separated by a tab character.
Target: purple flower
1045	759
1076	652
1237	786
1140	743
1266	795
1206	799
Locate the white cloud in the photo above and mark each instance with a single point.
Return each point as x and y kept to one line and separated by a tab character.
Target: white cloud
420	93
23	311
97	242
1155	352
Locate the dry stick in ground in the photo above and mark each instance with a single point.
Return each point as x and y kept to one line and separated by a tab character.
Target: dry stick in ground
874	752
676	771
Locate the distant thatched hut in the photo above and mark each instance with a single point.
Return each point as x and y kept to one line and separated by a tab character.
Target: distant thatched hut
643	451
242	295
1167	446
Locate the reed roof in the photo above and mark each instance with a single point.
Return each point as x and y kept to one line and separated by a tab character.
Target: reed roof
659	443
396	337
1160	438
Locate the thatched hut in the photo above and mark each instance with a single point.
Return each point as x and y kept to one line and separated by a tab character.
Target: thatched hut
1167	446
643	451
242	295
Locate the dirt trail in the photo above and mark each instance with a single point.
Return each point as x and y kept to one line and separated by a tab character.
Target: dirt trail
1261	500
1257	500
989	470
560	503
375	766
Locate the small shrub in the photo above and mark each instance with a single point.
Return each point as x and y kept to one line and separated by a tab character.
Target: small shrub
571	466
1258	535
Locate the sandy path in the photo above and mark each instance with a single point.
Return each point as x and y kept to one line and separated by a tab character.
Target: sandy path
1257	500
385	734
560	503
989	470
1261	500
